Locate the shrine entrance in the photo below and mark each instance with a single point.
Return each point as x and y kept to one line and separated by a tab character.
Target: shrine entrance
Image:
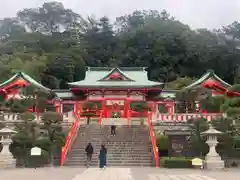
118	108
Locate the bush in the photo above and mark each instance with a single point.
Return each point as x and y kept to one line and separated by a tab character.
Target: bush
38	161
162	142
176	162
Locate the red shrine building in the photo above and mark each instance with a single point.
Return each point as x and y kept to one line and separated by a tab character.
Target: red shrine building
111	91
115	89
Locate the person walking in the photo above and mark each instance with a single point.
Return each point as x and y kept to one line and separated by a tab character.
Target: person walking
89	151
113	127
103	157
113	130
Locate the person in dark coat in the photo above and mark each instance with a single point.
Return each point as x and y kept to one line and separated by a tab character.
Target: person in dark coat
103	157
113	130
89	151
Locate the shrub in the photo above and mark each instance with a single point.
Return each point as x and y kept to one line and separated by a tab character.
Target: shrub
176	162
162	142
38	161
234	164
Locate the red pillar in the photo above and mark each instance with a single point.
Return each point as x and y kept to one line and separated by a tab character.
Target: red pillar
75	108
79	109
125	108
128	111
103	112
58	106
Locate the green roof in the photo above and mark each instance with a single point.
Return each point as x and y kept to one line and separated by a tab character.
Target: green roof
136	78
207	76
26	78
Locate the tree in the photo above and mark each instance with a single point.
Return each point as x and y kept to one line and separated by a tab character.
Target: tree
179	83
52	121
10	28
213	104
26	135
197	141
49	18
226	146
142	108
188	97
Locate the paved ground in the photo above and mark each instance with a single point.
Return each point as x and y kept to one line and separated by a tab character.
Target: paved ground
117	174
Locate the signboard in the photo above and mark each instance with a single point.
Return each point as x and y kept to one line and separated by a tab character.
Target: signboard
197	162
112	102
36	151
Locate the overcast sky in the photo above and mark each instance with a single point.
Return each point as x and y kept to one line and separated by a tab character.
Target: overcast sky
196	13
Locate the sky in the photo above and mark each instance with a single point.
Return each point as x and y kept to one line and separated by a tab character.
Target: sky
196	13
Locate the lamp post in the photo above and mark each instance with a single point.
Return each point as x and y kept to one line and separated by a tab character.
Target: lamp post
212	159
6	157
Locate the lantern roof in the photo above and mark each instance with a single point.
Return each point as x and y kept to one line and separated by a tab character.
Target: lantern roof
211	131
6	130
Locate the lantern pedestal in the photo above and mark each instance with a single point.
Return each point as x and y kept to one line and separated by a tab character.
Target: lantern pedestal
6	158
213	160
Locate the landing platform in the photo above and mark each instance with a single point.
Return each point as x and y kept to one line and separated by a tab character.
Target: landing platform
116	174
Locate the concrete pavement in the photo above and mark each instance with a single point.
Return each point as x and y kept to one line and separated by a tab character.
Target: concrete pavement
117	174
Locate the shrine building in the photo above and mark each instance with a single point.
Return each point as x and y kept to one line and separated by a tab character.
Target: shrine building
115	89
108	91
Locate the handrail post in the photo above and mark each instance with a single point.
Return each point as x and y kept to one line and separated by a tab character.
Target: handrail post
153	139
72	133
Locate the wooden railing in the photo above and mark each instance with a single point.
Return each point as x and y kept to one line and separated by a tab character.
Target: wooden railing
153	139
69	140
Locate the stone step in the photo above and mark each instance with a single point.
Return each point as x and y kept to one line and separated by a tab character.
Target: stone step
117	150
119	160
111	157
113	163
114	150
115	144
147	155
133	147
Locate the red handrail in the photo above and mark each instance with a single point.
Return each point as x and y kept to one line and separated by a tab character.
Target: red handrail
153	138
101	117
69	140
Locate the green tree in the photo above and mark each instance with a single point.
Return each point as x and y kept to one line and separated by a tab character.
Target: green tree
52	123
142	108
197	141
26	135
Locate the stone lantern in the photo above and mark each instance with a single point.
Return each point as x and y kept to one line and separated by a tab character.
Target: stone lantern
212	159
6	157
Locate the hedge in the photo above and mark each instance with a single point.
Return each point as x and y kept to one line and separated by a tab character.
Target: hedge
176	162
162	142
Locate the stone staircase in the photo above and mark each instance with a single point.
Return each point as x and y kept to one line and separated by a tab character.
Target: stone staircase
77	155
130	147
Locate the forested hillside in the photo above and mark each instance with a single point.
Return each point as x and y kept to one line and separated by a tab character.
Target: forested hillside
54	45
